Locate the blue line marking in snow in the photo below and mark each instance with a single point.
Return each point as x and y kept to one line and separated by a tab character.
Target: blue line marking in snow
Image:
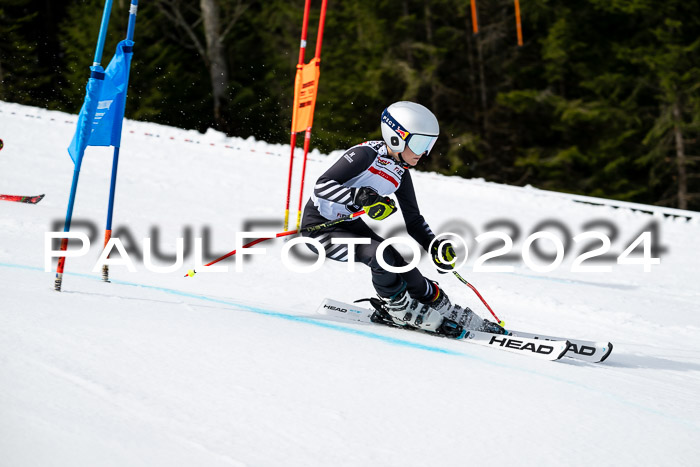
390	340
302	319
262	311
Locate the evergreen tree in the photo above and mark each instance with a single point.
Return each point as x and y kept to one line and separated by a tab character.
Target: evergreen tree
21	76
602	99
162	87
672	63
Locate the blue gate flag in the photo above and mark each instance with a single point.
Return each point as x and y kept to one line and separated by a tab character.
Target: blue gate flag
102	115
107	130
87	114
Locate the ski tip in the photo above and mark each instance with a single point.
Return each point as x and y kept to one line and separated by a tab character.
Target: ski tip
608	350
32	199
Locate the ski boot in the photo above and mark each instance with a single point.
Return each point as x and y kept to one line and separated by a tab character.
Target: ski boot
404	311
436	314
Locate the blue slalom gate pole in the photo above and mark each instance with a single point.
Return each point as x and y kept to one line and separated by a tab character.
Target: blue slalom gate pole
132	19
83	133
115	160
103	33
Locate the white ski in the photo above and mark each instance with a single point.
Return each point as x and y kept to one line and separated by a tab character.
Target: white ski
587	351
538	348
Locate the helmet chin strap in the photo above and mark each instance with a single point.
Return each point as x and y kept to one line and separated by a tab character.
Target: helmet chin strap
404	164
399	156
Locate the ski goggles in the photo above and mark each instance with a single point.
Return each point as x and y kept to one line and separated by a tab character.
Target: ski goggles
419	144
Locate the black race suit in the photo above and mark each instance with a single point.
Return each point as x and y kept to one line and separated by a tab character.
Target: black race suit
368	165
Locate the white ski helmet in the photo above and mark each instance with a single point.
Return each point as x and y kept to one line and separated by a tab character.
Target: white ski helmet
409	123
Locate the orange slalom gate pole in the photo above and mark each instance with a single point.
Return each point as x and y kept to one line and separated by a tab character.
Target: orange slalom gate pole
293	138
518	25
105	268
475	19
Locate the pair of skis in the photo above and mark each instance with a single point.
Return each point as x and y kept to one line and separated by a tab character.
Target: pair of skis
22	199
534	345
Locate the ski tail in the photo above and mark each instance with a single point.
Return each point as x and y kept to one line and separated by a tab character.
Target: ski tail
345	311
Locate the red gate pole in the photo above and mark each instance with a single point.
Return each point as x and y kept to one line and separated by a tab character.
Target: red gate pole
312	228
293	139
307	134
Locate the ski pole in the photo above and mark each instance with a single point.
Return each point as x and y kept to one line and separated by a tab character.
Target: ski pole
465	282
311	228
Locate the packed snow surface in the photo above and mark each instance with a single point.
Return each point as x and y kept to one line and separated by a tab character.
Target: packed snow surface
237	368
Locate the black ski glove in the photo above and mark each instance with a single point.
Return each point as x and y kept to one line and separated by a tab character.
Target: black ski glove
448	255
376	206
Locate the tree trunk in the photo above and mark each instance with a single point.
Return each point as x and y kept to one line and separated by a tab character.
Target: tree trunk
680	158
409	54
216	58
428	23
471	73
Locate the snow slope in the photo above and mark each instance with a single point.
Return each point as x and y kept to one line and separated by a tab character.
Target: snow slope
237	369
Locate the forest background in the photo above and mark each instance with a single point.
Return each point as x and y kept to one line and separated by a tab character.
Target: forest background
602	98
